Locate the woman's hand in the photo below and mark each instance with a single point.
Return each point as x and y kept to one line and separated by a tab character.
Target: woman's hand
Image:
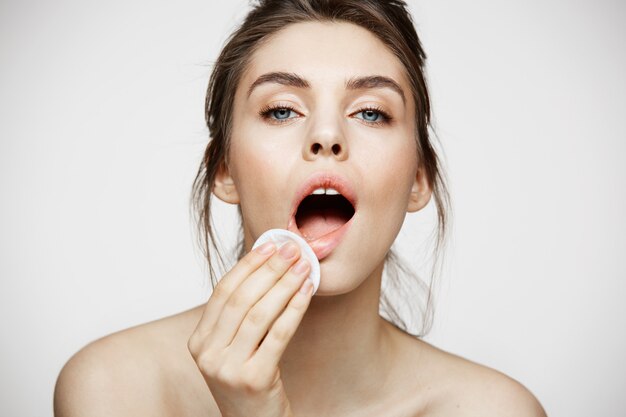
246	325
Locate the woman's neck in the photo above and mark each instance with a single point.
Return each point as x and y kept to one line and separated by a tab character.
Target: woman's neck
342	349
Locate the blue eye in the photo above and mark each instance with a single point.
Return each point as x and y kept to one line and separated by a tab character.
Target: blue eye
277	114
374	116
281	113
371	115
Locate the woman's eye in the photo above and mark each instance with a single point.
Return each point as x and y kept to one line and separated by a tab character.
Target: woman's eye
374	116
370	115
277	114
281	114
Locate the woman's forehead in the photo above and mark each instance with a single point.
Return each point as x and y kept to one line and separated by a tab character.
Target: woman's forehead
324	53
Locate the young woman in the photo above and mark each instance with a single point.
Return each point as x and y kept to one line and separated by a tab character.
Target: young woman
306	95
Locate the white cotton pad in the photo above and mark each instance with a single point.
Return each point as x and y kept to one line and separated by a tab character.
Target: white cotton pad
282	236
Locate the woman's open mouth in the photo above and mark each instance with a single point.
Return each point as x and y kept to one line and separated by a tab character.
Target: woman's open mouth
324	213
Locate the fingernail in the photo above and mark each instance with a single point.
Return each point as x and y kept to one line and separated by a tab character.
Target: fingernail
301	267
306	287
266	248
288	250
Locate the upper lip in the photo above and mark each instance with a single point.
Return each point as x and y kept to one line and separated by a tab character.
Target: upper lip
326	180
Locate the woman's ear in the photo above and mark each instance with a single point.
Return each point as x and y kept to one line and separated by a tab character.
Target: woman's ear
420	192
224	186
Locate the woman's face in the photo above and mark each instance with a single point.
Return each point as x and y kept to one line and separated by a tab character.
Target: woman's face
309	130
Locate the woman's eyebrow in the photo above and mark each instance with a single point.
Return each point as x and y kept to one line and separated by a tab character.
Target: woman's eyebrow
375	81
284	78
354	83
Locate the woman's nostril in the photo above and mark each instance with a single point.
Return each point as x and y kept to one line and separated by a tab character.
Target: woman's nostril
317	147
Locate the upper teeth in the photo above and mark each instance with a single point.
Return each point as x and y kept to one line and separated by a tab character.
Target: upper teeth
327	191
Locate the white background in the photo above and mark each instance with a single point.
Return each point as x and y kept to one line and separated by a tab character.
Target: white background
101	133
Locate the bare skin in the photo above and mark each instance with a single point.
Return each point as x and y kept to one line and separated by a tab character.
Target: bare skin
343	358
147	370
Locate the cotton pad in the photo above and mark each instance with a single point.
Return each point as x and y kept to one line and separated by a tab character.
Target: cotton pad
282	236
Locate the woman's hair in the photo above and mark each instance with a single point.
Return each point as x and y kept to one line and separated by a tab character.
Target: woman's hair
390	21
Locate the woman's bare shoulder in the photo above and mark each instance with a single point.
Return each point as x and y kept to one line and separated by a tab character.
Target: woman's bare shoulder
471	389
108	375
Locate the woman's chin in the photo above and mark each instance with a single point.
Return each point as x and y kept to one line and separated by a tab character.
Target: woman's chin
338	276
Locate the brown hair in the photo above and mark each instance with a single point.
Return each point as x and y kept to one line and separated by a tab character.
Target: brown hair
390	21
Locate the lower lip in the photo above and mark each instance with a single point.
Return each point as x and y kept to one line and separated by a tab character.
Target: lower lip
323	245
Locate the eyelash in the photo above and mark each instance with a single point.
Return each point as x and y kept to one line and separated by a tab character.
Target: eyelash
265	113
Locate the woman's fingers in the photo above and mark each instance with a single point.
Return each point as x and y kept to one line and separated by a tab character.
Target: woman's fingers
268	355
249	292
229	283
256	295
261	316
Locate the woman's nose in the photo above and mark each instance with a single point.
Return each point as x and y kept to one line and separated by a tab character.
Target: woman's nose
326	141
